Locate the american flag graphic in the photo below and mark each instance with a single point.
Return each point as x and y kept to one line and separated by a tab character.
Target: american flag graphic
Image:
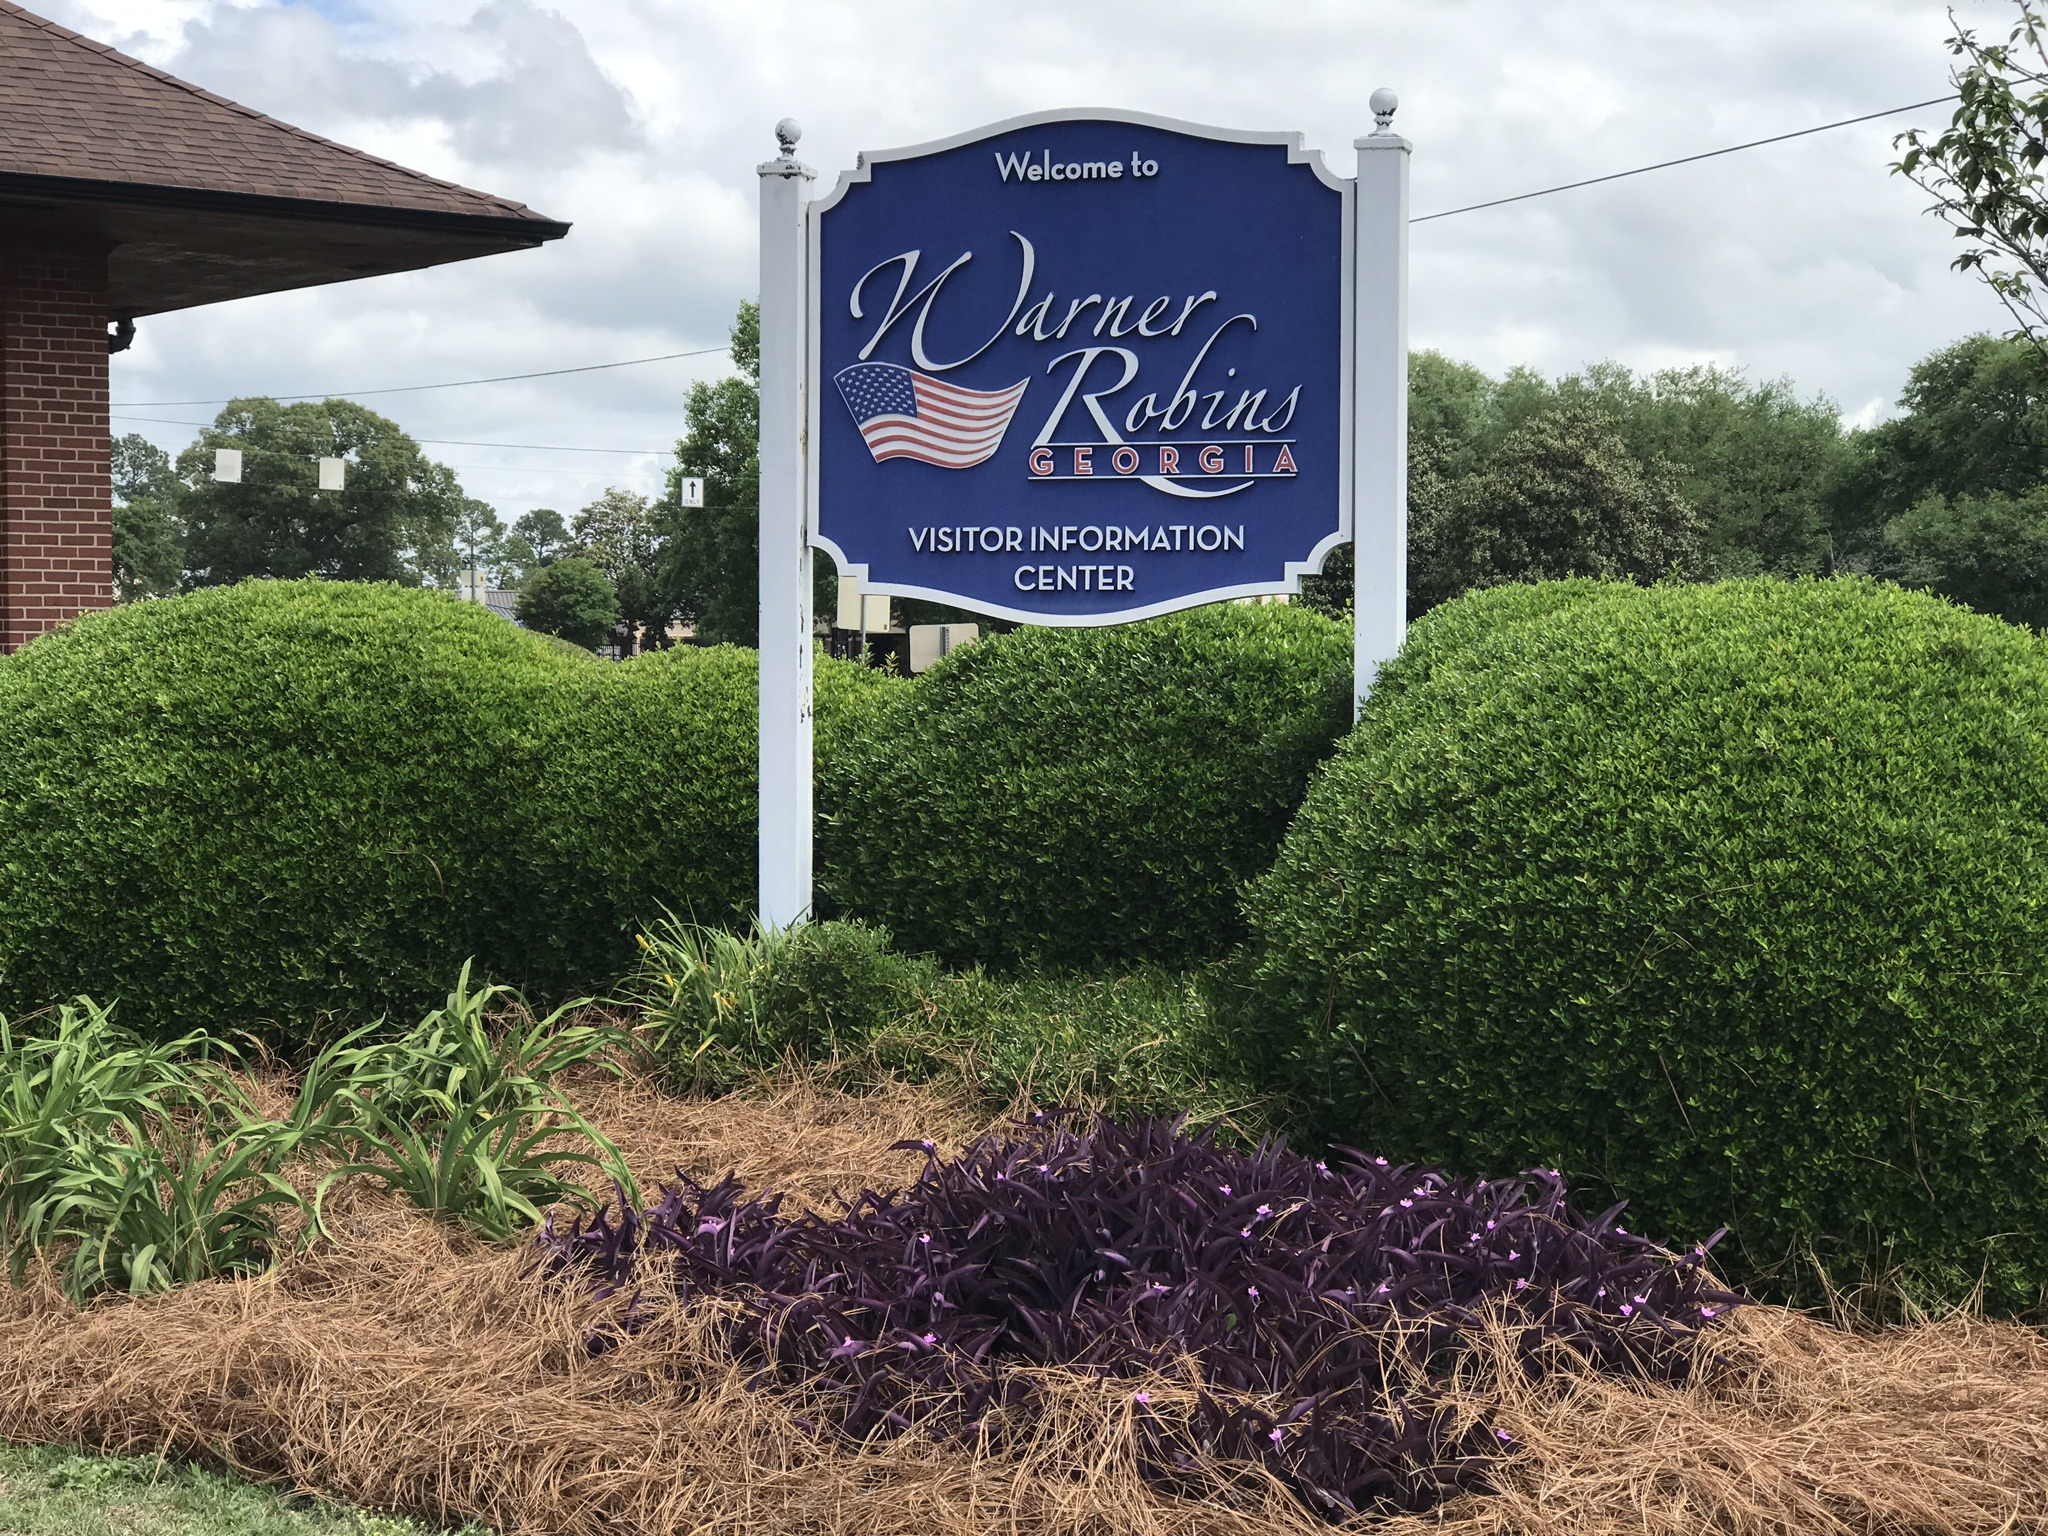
905	415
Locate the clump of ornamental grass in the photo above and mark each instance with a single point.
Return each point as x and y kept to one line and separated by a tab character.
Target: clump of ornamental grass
1318	1308
461	1114
132	1165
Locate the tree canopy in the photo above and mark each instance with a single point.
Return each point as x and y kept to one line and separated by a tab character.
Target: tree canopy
571	598
708	568
394	519
149	538
1693	469
1984	170
710	554
1952	494
1563	496
618	534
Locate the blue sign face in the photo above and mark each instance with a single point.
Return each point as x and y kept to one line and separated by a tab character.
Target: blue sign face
1077	370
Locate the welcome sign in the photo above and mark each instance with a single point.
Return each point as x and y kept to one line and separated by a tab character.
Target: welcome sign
1075	368
1080	368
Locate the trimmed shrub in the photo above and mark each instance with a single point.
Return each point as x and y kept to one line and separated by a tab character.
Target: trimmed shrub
1076	797
1731	898
252	806
261	802
642	799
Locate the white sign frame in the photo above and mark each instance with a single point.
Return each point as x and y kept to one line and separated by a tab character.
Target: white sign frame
1374	480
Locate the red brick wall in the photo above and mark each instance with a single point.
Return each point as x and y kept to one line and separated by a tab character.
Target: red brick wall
56	498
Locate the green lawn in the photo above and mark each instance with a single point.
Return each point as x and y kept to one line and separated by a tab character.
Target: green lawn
59	1492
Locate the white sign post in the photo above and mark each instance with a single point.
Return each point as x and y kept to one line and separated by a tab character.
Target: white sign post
1379	421
785	698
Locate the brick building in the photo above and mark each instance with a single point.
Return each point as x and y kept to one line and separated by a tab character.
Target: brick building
125	192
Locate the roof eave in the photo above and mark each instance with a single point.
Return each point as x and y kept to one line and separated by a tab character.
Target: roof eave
524	228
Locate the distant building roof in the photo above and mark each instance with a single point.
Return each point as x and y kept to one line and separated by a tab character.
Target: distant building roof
203	199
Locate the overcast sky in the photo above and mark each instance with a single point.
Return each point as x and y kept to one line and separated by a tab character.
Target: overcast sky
641	122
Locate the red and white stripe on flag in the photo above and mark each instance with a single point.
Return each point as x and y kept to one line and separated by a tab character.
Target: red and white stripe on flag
954	428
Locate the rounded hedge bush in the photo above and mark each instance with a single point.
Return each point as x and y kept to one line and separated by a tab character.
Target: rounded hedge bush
1070	797
1734	898
252	806
645	799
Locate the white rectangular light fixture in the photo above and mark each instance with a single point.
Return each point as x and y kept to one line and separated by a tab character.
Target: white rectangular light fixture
690	491
874	611
332	473
848	616
227	466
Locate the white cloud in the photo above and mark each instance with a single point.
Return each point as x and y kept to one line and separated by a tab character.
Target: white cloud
642	121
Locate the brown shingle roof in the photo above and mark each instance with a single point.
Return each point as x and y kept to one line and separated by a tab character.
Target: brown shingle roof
78	110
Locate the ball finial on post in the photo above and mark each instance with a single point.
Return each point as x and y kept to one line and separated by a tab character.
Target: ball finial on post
1383	103
787	132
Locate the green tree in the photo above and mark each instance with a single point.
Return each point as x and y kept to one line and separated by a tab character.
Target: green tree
394	519
481	542
1949	494
1753	459
1984	171
149	541
617	534
1969	448
571	598
538	538
709	565
1975	420
1989	552
1563	497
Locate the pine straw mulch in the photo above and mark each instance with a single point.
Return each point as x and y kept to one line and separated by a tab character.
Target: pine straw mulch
412	1369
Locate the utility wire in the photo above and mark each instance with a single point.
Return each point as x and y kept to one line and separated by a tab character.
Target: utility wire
451	442
1661	165
407	389
667	357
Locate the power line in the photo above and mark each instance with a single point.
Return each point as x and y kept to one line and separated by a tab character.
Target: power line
407	389
1661	165
667	357
450	442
